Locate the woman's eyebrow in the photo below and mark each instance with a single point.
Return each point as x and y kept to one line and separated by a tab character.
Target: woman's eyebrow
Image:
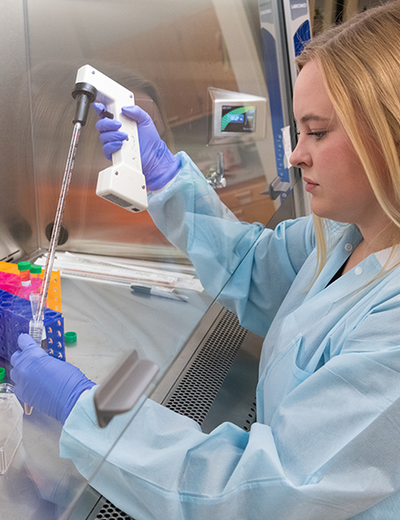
313	117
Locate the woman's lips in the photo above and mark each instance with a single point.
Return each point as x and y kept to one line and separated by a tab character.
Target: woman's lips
310	185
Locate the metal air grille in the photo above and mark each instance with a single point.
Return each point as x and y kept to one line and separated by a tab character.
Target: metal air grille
197	389
110	512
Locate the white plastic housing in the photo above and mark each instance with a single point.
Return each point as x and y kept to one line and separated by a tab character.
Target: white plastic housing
118	185
123	183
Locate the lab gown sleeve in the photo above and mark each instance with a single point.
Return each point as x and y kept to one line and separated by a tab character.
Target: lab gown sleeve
330	451
265	262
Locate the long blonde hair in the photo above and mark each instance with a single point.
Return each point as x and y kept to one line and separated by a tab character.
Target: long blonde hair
360	64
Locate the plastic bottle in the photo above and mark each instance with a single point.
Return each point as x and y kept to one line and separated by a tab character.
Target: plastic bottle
11	413
36	279
36	271
25	273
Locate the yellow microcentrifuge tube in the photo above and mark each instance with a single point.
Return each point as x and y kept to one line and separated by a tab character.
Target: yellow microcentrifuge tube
24	269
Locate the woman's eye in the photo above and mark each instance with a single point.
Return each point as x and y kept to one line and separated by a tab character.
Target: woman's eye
318	135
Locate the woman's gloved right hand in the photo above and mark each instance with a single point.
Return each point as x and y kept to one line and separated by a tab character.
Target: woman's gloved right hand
48	384
158	163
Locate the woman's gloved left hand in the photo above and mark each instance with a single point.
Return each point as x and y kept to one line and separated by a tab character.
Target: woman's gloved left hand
159	164
48	384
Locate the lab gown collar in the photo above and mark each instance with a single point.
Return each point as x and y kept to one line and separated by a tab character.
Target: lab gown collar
340	253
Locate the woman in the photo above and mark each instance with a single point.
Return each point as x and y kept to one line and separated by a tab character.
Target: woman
324	290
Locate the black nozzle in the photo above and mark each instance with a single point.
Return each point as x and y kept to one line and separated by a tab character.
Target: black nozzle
85	94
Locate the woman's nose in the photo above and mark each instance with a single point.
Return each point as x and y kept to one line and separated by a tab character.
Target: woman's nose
300	157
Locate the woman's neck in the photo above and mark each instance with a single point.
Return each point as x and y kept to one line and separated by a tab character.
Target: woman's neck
372	242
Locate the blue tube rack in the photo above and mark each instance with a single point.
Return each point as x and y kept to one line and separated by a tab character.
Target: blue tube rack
15	314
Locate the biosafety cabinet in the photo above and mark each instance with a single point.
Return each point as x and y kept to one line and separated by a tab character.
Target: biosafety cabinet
216	76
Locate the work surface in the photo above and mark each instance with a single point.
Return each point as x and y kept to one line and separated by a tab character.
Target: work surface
110	321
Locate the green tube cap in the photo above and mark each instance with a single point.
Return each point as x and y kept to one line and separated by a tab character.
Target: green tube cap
70	337
2	375
24	266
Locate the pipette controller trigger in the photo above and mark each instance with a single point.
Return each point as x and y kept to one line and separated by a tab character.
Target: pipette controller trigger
106	113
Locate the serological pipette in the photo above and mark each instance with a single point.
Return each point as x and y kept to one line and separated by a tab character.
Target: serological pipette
85	95
37	322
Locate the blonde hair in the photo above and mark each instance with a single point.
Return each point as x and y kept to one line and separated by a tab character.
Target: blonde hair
360	64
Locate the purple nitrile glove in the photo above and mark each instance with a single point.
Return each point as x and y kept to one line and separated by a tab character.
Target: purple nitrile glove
47	384
158	163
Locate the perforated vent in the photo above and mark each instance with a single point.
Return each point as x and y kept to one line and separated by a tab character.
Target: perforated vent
251	417
117	200
110	512
196	391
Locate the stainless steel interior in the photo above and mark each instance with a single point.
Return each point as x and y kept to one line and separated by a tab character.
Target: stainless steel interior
169	54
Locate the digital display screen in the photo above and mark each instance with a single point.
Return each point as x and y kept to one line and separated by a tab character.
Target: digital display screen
241	119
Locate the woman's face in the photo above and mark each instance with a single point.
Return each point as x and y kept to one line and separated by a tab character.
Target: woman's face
331	168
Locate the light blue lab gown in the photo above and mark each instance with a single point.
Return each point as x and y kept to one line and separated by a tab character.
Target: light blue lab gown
326	444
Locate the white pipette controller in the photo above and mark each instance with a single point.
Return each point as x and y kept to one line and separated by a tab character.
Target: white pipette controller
123	183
